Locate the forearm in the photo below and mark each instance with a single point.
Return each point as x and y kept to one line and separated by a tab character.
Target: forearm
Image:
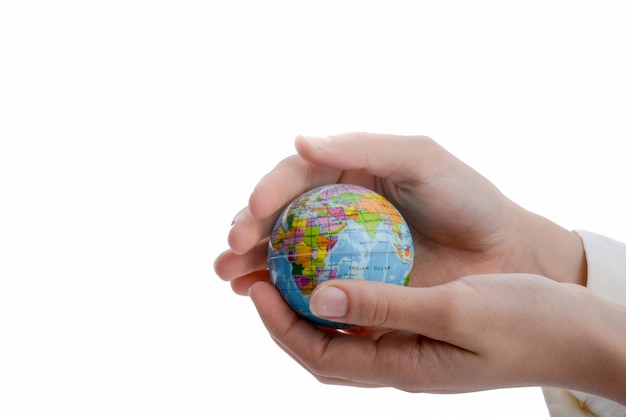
612	344
600	331
601	339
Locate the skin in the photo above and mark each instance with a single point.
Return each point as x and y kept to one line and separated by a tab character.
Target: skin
475	333
496	297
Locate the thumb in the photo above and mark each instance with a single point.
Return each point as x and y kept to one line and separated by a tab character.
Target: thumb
425	311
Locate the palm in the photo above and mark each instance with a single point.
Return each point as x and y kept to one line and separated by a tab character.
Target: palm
453	235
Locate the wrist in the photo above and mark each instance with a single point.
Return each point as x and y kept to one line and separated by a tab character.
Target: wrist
551	250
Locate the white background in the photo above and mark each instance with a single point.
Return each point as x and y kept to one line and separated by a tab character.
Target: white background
131	132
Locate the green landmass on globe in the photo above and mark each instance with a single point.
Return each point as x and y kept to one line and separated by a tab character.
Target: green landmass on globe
337	231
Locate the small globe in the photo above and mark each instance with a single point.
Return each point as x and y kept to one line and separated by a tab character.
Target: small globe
337	231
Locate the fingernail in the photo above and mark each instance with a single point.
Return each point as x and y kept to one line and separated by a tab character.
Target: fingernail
318	141
329	302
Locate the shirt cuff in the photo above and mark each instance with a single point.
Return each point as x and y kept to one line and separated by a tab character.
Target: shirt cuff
606	266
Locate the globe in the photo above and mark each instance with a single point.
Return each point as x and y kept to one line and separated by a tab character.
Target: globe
337	231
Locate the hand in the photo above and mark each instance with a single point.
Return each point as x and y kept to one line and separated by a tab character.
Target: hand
460	222
474	333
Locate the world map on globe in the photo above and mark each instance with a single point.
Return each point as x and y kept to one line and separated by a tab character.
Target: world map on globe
337	231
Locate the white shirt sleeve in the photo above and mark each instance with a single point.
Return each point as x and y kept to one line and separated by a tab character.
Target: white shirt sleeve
606	276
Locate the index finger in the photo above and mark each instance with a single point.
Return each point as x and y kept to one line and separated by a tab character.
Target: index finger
290	178
351	157
401	159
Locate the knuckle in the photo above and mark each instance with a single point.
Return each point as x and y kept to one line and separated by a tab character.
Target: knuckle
378	313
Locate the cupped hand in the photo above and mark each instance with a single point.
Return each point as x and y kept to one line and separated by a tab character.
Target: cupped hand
474	333
460	222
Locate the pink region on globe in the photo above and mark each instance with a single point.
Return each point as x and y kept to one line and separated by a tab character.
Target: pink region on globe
332	274
338	213
302	281
289	239
298	235
335	191
331	224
